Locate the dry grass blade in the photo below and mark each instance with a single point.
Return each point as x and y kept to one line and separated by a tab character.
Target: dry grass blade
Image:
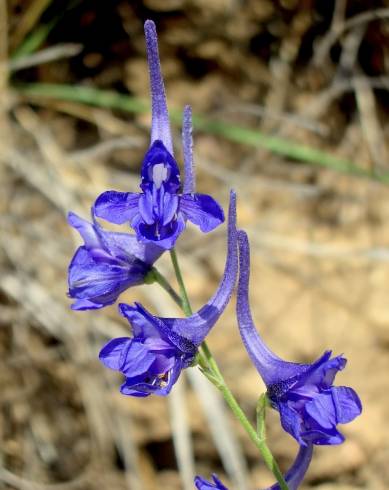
4	74
104	120
20	483
225	441
104	148
181	433
371	126
47	55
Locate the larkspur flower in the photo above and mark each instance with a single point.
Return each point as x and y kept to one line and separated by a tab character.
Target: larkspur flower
293	477
106	265
158	214
202	484
152	359
310	406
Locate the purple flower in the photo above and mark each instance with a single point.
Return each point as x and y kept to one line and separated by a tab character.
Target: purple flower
158	214
202	484
152	359
310	406
106	265
293	477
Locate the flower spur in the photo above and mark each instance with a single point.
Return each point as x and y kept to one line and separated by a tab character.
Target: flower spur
310	406
152	359
158	214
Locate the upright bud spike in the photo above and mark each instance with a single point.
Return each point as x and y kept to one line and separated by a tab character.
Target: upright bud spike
187	148
160	125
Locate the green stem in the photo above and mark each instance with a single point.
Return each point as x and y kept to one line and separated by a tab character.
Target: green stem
262	404
217	379
259	441
155	275
186	307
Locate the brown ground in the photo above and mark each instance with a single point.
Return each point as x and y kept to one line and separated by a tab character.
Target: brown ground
320	241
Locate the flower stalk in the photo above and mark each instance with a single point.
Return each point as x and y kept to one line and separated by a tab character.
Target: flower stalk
211	370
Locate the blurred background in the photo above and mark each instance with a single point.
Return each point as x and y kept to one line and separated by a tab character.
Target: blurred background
292	104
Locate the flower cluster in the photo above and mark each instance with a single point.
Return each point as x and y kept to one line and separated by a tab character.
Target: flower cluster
160	348
152	357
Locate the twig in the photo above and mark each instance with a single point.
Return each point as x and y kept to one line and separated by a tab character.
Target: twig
324	45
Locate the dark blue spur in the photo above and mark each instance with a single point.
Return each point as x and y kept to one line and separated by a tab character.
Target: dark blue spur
310	406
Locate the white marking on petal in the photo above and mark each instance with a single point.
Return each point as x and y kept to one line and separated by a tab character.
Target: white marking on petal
159	174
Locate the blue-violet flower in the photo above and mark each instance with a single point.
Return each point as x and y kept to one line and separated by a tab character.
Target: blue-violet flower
293	477
202	484
310	406
106	265
152	359
158	214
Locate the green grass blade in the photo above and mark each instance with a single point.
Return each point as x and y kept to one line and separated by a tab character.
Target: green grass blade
34	40
38	35
238	134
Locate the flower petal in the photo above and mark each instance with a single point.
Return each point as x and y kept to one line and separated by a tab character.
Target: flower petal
166	236
111	355
160	126
101	281
128	390
291	422
140	316
126	246
322	410
159	169
148	384
141	325
117	207
202	210
202	484
347	404
187	149
86	230
323	437
146	208
322	372
86	304
136	360
170	205
127	356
